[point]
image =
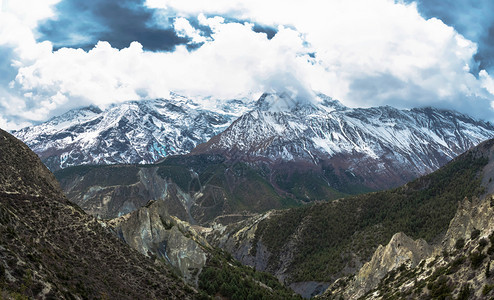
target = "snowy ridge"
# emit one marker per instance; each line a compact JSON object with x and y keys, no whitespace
{"x":377,"y":139}
{"x":131,"y":132}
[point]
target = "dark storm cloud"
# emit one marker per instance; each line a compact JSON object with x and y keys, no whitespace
{"x":472,"y":19}
{"x":83,"y":23}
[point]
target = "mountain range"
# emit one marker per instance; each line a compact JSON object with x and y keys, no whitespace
{"x":201,"y":202}
{"x":131,"y":132}
{"x":378,"y":147}
{"x":351,"y":149}
{"x":51,"y":249}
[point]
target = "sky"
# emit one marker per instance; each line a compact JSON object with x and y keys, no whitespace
{"x":56,"y":55}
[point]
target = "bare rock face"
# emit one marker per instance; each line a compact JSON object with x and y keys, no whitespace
{"x":114,"y":191}
{"x":471,"y":215}
{"x":151,"y":231}
{"x":239,"y":238}
{"x":401,"y":250}
{"x":196,"y":189}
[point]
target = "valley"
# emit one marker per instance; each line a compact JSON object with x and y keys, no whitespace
{"x":246,"y":150}
{"x":263,"y":198}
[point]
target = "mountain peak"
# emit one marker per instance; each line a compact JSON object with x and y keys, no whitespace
{"x":330,"y":103}
{"x":275,"y":102}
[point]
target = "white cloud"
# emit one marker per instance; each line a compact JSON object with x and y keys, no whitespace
{"x":18,"y":22}
{"x":363,"y":52}
{"x":184,"y":29}
{"x":487,"y":81}
{"x":28,"y":12}
{"x":226,"y":66}
{"x":372,"y":52}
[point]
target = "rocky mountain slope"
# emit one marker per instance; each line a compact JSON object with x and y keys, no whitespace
{"x":456,"y":267}
{"x":196,"y":189}
{"x":378,"y":147}
{"x":131,"y":132}
{"x":351,"y":150}
{"x":154,"y":233}
{"x":333,"y":151}
{"x":310,"y":247}
{"x":50,"y":248}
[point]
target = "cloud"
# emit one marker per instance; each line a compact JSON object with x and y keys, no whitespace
{"x":184,"y":29}
{"x":119,"y":22}
{"x":473,"y":19}
{"x":363,"y":52}
{"x":225,"y":66}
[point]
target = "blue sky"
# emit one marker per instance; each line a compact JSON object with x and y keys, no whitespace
{"x":60,"y":54}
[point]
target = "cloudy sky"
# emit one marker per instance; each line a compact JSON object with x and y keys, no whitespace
{"x":60,"y":54}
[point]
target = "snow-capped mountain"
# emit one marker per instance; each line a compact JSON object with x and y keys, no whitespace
{"x":382,"y":145}
{"x":131,"y":132}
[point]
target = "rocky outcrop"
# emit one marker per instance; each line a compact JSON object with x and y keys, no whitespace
{"x":400,"y":251}
{"x":471,"y":215}
{"x":239,"y":239}
{"x":153,"y":232}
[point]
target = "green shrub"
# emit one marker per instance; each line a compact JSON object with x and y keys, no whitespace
{"x":482,"y":244}
{"x":460,"y":243}
{"x":441,"y":288}
{"x":487,"y":288}
{"x":465,"y":292}
{"x":474,"y":234}
{"x":476,"y":258}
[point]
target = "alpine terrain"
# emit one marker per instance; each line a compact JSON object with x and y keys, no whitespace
{"x":436,"y":236}
{"x":377,"y":147}
{"x":51,"y":249}
{"x":283,"y":153}
{"x":131,"y":132}
{"x":280,"y":154}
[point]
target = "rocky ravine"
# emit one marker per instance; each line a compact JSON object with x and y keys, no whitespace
{"x":154,"y":233}
{"x":196,"y":189}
